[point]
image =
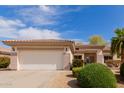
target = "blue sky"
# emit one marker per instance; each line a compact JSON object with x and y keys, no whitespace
{"x":59,"y":22}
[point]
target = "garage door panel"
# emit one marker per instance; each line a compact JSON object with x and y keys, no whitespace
{"x":39,"y":59}
{"x":38,"y":67}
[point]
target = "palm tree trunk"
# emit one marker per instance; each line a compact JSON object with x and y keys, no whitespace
{"x":122,"y":56}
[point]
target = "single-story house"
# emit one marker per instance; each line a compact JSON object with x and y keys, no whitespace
{"x":51,"y":54}
{"x":96,"y":53}
{"x":5,"y":52}
{"x":41,"y":54}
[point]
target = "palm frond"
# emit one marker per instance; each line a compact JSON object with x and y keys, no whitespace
{"x":113,"y":45}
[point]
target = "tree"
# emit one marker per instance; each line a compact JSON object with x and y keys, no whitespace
{"x":117,"y":44}
{"x":97,"y":40}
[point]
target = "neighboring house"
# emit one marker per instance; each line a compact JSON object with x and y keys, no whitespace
{"x":5,"y":52}
{"x":53,"y":54}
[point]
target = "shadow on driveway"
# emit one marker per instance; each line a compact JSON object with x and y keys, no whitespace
{"x":70,"y":75}
{"x":72,"y":83}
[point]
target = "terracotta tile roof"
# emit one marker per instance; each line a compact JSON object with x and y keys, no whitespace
{"x":85,"y":51}
{"x":38,"y":40}
{"x":55,"y":42}
{"x":17,"y":42}
{"x":107,"y":49}
{"x":90,"y":46}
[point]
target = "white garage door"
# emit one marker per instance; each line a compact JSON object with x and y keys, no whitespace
{"x":40,"y":60}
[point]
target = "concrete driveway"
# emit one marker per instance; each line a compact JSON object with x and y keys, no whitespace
{"x":37,"y":79}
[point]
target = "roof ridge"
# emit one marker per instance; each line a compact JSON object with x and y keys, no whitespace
{"x":36,"y":40}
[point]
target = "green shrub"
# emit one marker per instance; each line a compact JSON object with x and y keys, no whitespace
{"x":122,"y":70}
{"x":4,"y":62}
{"x":76,"y":71}
{"x":96,"y":76}
{"x":77,"y":63}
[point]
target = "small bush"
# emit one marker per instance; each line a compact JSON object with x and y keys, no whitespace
{"x":77,"y":63}
{"x":122,"y":70}
{"x":96,"y":76}
{"x":4,"y":62}
{"x":76,"y":71}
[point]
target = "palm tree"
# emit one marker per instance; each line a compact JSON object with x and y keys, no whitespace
{"x":117,"y":44}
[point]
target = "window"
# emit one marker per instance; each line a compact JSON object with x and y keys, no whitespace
{"x":107,"y":58}
{"x":66,"y":49}
{"x":77,"y":48}
{"x":77,"y":57}
{"x":13,"y":48}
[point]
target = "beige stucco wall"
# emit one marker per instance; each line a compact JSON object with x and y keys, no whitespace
{"x":71,"y":54}
{"x":68,"y":57}
{"x":116,"y":58}
{"x":13,"y":62}
{"x":82,"y":56}
{"x":100,"y":56}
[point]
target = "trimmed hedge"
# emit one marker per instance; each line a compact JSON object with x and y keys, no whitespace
{"x":77,"y":63}
{"x":76,"y":71}
{"x":122,"y":70}
{"x":4,"y":62}
{"x":96,"y":76}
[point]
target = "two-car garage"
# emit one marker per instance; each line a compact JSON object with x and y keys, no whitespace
{"x":41,"y":54}
{"x":40,"y":59}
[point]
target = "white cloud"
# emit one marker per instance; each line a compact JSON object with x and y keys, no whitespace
{"x":29,"y":33}
{"x":11,"y":29}
{"x":9,"y":23}
{"x":35,"y":16}
{"x":44,"y":14}
{"x":8,"y":33}
{"x":48,"y":9}
{"x":33,"y":33}
{"x":59,"y":10}
{"x":45,"y":8}
{"x":38,"y":16}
